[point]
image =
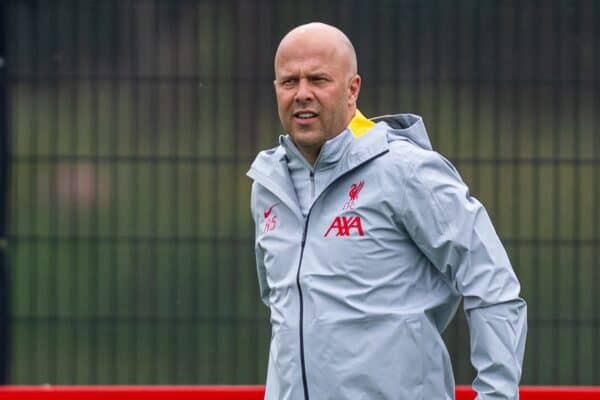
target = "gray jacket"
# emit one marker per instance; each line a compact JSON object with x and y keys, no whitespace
{"x":361,"y":288}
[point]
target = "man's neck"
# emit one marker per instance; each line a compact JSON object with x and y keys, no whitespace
{"x":310,"y":154}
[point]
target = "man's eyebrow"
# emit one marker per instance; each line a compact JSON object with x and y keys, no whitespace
{"x":318,"y":75}
{"x":309,"y":75}
{"x":285,"y":76}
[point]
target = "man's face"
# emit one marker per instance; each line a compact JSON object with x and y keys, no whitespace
{"x":316,"y":93}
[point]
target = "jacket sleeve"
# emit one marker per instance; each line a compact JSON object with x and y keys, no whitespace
{"x":258,"y":251}
{"x":455,"y":232}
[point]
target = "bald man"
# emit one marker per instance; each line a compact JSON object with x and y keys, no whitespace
{"x":366,"y":241}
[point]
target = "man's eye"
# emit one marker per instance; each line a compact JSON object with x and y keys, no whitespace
{"x":288,"y":82}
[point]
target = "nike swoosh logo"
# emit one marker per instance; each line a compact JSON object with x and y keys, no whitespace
{"x":268,"y":212}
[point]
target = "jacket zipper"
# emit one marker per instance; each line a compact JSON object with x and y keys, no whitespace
{"x":302,"y":364}
{"x":312,"y":186}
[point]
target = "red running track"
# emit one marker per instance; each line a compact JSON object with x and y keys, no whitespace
{"x":240,"y":393}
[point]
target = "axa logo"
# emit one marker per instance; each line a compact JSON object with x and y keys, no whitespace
{"x":355,"y":189}
{"x":270,"y":219}
{"x":344,"y":226}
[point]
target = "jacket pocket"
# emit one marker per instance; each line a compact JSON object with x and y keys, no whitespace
{"x":377,"y":357}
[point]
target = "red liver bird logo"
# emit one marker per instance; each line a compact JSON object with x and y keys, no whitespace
{"x":355,"y":190}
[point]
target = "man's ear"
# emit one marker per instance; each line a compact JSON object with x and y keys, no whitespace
{"x":354,"y":89}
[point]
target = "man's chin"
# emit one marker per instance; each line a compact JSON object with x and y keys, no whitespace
{"x":304,"y":138}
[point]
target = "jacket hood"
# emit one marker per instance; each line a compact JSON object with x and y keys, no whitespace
{"x":406,"y":127}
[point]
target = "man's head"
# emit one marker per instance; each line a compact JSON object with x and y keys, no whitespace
{"x":316,"y":84}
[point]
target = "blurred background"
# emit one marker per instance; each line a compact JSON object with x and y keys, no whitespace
{"x":126,"y":246}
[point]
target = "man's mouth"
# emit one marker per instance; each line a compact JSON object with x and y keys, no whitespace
{"x":305,"y":115}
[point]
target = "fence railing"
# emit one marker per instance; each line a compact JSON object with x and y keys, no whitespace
{"x":242,"y":392}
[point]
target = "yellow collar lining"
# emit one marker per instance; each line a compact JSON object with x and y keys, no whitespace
{"x":360,"y":125}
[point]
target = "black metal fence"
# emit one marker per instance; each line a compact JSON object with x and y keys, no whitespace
{"x":132,"y":123}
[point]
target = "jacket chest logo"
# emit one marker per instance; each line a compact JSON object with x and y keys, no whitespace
{"x":355,"y":189}
{"x":270,"y":219}
{"x":343,"y":226}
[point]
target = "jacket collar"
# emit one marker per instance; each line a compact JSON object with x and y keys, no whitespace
{"x":331,"y":151}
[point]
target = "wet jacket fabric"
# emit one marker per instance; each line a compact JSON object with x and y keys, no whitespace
{"x":361,"y":285}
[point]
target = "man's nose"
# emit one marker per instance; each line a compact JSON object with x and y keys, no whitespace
{"x":304,"y":92}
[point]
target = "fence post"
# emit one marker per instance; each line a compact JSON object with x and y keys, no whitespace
{"x":4,"y":176}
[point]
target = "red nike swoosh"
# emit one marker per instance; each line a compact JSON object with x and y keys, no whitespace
{"x":268,"y":212}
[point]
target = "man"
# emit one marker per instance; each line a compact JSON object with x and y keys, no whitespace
{"x":366,"y":240}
